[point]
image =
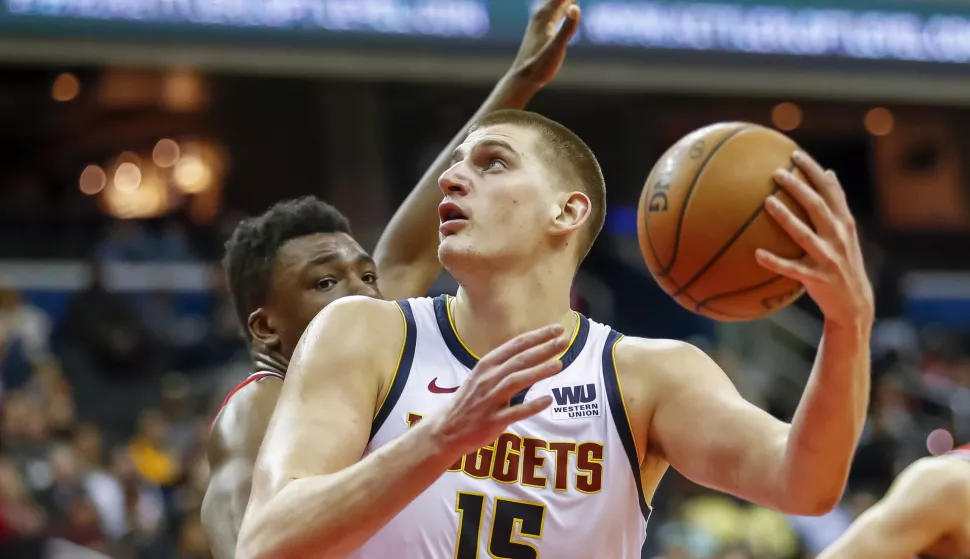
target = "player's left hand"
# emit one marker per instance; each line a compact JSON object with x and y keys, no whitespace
{"x":543,"y":48}
{"x":832,"y":271}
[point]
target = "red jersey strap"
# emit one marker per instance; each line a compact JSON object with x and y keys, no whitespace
{"x":255,"y":377}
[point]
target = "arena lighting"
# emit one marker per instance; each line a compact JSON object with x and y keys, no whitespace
{"x":166,"y":153}
{"x":192,"y":174}
{"x":879,"y":122}
{"x":92,"y":180}
{"x":127,"y":177}
{"x":786,"y":116}
{"x":66,"y":88}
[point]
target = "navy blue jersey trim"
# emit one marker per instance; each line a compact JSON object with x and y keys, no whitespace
{"x":618,"y":411}
{"x":400,"y":378}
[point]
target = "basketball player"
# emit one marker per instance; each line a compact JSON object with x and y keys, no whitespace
{"x":926,"y":513}
{"x":298,"y":257}
{"x":393,"y":439}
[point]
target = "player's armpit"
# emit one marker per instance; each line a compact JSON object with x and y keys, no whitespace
{"x":928,"y":500}
{"x":232,"y":449}
{"x":312,"y":495}
{"x":698,"y":422}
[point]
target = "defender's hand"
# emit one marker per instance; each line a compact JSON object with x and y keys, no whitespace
{"x":543,"y":48}
{"x":832,"y":271}
{"x":480,"y":411}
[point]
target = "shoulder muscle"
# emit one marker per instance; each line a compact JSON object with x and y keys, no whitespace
{"x":323,"y":418}
{"x":241,"y":424}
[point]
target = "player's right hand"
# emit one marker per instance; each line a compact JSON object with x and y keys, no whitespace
{"x":480,"y":410}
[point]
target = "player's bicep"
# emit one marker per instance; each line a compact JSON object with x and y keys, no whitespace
{"x":709,"y":433}
{"x":322,"y":421}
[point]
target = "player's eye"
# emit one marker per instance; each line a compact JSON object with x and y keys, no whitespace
{"x":495,"y":165}
{"x":326,"y":283}
{"x":370,"y":277}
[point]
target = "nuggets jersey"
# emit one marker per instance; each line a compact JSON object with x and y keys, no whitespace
{"x":563,"y":484}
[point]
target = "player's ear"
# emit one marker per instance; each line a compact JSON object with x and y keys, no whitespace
{"x":262,"y":329}
{"x":572,"y":212}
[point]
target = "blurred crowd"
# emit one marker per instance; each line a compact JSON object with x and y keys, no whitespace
{"x":102,"y":438}
{"x":105,"y":413}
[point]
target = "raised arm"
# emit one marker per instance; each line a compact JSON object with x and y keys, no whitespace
{"x":407,"y":252}
{"x":928,"y":501}
{"x":232,"y":449}
{"x":313,"y":496}
{"x":705,"y":429}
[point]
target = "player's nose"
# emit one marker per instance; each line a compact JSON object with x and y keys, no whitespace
{"x":454,"y":182}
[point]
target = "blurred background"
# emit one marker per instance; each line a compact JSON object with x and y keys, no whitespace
{"x":134,"y":134}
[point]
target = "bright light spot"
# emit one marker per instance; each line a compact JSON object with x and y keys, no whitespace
{"x":127,"y":177}
{"x":150,"y":199}
{"x":92,"y":180}
{"x":166,"y":153}
{"x":786,"y":116}
{"x":880,"y":122}
{"x":66,"y":87}
{"x":192,"y":174}
{"x":182,"y":91}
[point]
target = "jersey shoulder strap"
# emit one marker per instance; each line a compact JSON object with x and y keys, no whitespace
{"x":255,"y":377}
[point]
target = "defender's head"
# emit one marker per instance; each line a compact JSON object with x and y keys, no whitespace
{"x":286,"y":265}
{"x":520,"y":186}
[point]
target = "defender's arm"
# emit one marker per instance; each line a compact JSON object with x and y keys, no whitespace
{"x":927,"y":501}
{"x":232,"y":449}
{"x":407,"y":252}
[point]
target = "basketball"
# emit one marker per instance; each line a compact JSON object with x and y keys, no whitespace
{"x":702,"y":217}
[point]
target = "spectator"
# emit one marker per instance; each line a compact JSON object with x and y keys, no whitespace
{"x":149,"y":450}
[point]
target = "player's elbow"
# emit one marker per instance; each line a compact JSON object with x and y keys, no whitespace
{"x":819,"y":503}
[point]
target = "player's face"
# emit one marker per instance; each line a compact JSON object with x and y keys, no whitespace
{"x":311,"y":272}
{"x":499,"y":199}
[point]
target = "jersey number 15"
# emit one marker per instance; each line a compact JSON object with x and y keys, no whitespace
{"x":506,"y":515}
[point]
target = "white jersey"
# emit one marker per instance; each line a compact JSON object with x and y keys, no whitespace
{"x":563,"y":484}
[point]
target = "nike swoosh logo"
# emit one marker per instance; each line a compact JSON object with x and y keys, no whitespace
{"x":435,"y":389}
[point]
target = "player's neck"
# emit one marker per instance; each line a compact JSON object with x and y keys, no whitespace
{"x":489,"y":314}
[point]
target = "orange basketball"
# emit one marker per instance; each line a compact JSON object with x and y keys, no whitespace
{"x":702,"y":216}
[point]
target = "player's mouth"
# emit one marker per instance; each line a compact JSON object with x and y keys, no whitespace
{"x":452,"y":217}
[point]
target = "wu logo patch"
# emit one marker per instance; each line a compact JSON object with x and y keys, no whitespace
{"x":575,"y":402}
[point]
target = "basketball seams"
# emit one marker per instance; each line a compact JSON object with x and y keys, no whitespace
{"x":690,"y":191}
{"x":731,"y":240}
{"x":741,"y":291}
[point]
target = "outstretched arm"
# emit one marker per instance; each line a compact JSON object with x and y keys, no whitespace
{"x":314,"y":496}
{"x":406,"y":254}
{"x":709,"y":433}
{"x":929,"y":499}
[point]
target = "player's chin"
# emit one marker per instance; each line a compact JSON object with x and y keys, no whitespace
{"x":455,"y":250}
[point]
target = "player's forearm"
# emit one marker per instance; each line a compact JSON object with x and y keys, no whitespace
{"x":829,"y":419}
{"x":407,"y":252}
{"x":221,"y":527}
{"x":225,"y":504}
{"x":330,"y":516}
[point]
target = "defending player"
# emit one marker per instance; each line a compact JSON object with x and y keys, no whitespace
{"x":288,"y":264}
{"x":393,"y":439}
{"x":926,"y":513}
